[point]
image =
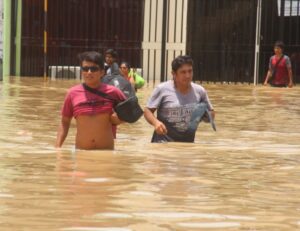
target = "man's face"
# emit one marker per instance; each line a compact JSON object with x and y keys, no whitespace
{"x":277,"y":50}
{"x":109,"y":59}
{"x":91,"y":73}
{"x":184,"y":75}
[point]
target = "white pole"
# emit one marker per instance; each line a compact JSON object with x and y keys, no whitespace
{"x":257,"y":43}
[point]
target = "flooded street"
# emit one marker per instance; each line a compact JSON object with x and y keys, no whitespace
{"x":245,"y":176}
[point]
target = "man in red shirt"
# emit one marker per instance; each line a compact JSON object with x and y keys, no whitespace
{"x":280,"y":69}
{"x":95,"y":118}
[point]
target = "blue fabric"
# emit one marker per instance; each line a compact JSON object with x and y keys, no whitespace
{"x":200,"y":111}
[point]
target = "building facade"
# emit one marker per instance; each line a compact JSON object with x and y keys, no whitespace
{"x":229,"y":40}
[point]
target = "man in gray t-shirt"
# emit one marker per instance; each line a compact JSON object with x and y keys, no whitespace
{"x":175,"y":101}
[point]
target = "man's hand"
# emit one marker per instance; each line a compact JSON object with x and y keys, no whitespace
{"x":114,"y":119}
{"x":160,"y":128}
{"x":268,"y":76}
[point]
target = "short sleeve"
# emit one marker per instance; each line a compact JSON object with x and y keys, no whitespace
{"x":155,"y":99}
{"x":205,"y":98}
{"x":288,"y":62}
{"x":270,"y":63}
{"x":67,"y":109}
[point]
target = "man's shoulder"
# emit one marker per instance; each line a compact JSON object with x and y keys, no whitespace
{"x":167,"y":84}
{"x":75,"y":88}
{"x":198,"y":87}
{"x":286,"y":57}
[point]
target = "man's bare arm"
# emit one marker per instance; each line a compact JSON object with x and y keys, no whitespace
{"x":290,"y":77}
{"x":268,"y":76}
{"x":159,"y":127}
{"x":63,"y":130}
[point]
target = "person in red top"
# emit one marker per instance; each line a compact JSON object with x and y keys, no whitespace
{"x":280,"y":69}
{"x":95,"y":117}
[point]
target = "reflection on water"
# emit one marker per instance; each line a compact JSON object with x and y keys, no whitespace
{"x":245,"y":176}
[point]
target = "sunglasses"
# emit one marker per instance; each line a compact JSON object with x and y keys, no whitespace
{"x":90,"y":68}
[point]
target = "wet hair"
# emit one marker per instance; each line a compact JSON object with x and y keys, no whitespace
{"x":112,"y":52}
{"x":279,"y":44}
{"x":92,"y":56}
{"x":126,"y":64}
{"x":181,"y":60}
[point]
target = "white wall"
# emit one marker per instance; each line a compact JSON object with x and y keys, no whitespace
{"x":152,"y":39}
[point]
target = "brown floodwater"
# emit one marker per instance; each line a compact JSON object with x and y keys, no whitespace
{"x":245,"y":176}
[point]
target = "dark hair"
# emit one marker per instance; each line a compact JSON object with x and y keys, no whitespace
{"x":126,"y":64}
{"x":279,"y":44}
{"x":92,"y":56}
{"x":112,"y":52}
{"x":181,"y":60}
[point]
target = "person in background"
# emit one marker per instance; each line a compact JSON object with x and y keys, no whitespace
{"x":280,"y":69}
{"x":95,"y":119}
{"x":125,"y":72}
{"x":111,"y":56}
{"x":117,"y":80}
{"x":175,"y":100}
{"x":131,"y":75}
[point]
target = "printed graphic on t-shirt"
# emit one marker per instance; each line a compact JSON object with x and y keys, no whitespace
{"x":179,"y":117}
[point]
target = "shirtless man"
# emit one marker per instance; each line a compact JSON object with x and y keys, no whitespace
{"x":95,"y":120}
